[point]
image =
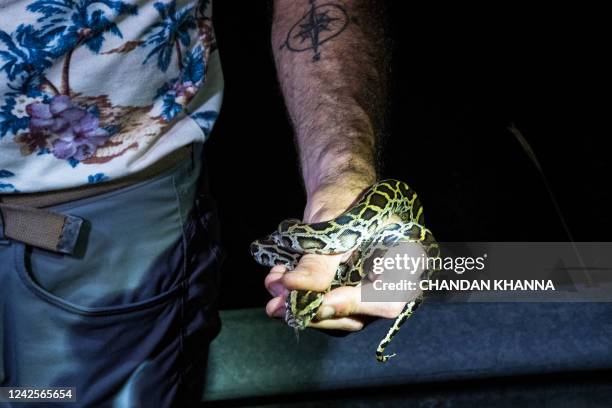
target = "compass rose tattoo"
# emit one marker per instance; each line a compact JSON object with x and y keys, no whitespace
{"x":319,"y":25}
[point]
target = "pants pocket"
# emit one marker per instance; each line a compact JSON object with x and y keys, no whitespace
{"x":131,"y":250}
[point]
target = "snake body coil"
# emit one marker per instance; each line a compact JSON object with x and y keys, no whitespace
{"x":361,"y":229}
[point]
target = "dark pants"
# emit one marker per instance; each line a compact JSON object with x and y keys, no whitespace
{"x":128,"y":319}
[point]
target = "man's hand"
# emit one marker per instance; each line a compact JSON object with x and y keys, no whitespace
{"x":331,"y":64}
{"x":342,"y":307}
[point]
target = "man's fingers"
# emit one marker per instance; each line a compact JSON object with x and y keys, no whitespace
{"x":342,"y":323}
{"x":342,"y":307}
{"x":346,"y":301}
{"x":313,"y":272}
{"x":276,"y":307}
{"x":273,"y":281}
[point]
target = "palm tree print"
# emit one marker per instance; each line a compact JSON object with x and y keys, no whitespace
{"x":179,"y":91}
{"x":73,"y":23}
{"x":7,"y":187}
{"x":170,"y":33}
{"x":55,"y":123}
{"x":26,"y":57}
{"x":46,"y":115}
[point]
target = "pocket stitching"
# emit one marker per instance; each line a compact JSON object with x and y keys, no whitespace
{"x":26,"y":279}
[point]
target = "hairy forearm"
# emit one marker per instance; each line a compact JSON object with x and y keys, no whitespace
{"x":330,"y":62}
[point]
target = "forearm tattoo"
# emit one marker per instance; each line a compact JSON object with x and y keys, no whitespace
{"x":319,"y":25}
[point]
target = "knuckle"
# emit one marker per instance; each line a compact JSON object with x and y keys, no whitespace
{"x":343,"y":309}
{"x":268,"y":280}
{"x":313,"y":263}
{"x":320,"y":283}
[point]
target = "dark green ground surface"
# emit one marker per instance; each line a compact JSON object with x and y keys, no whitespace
{"x":455,"y":353}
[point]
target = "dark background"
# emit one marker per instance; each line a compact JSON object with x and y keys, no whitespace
{"x":459,"y":77}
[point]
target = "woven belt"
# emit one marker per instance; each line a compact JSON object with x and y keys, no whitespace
{"x":26,"y":220}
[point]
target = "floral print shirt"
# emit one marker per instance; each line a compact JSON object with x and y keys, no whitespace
{"x":93,"y":90}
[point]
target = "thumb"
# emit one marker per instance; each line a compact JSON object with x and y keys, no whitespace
{"x":313,"y":272}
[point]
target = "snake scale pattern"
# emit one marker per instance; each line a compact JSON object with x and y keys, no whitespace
{"x":363,"y":229}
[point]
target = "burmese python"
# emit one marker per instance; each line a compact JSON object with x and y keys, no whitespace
{"x":362,"y":229}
